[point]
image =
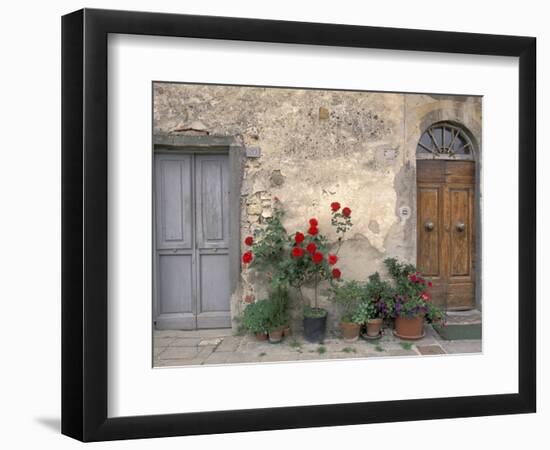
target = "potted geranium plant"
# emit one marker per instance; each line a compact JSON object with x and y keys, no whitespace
{"x":311,"y":261}
{"x":300,"y":258}
{"x":380,"y":297}
{"x":348,"y":296}
{"x":412,"y":304}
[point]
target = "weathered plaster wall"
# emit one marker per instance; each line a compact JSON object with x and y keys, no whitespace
{"x":317,"y":147}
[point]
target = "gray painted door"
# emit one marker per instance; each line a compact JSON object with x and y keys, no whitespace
{"x":192,"y":259}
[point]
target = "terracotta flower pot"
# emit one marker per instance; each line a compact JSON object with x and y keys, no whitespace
{"x":276,"y":335}
{"x":374,"y":326}
{"x":350,"y":331}
{"x":410,"y":328}
{"x":261,"y":336}
{"x":287,"y":331}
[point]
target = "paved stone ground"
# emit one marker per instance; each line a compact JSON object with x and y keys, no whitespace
{"x":185,"y":348}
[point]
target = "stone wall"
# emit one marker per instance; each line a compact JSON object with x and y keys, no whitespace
{"x":317,"y":147}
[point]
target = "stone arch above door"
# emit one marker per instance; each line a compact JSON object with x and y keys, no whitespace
{"x":470,"y":125}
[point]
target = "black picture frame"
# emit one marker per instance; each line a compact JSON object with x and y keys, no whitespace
{"x":84,"y":224}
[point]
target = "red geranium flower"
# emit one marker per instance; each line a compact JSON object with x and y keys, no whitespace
{"x":346,"y":212}
{"x":425,"y":296}
{"x":313,"y":222}
{"x":336,"y":273}
{"x":249,"y":240}
{"x":335,"y":206}
{"x":413,"y":278}
{"x":311,"y":248}
{"x":313,"y":230}
{"x":332,"y":259}
{"x":317,"y":257}
{"x":297,"y":252}
{"x":430,"y":284}
{"x":299,"y":237}
{"x":247,"y":257}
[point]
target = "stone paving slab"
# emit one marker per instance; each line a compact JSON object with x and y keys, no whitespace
{"x":465,"y":346}
{"x":430,"y":350}
{"x":172,"y":348}
{"x":184,"y":342}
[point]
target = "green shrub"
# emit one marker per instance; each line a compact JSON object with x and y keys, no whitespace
{"x":267,"y":314}
{"x":348,"y":295}
{"x":256,"y":317}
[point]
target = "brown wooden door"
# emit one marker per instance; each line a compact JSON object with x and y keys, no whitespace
{"x":446,"y":230}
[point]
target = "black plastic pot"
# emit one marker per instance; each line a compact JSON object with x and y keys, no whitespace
{"x":314,"y":327}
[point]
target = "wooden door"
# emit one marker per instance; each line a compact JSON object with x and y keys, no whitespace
{"x":446,"y":230}
{"x":191,"y":241}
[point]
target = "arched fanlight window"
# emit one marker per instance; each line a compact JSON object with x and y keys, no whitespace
{"x":444,"y":141}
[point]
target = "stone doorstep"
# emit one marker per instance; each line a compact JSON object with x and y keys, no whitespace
{"x":463,"y":317}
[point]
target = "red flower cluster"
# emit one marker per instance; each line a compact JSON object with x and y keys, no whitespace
{"x":313,"y":230}
{"x":317,"y":257}
{"x":416,"y":278}
{"x":335,"y":206}
{"x":247,"y":257}
{"x":298,"y":251}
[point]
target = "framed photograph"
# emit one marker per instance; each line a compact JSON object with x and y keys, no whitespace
{"x":273,"y":224}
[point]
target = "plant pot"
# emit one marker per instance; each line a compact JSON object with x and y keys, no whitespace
{"x":276,"y":335}
{"x":287,"y":331}
{"x":314,"y":327}
{"x":350,"y":331}
{"x":409,"y":328}
{"x":374,"y":327}
{"x":262,"y":336}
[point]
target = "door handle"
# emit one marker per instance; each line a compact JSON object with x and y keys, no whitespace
{"x":460,"y":227}
{"x":429,"y":225}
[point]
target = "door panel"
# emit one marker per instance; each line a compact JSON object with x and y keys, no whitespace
{"x":454,"y":274}
{"x":460,"y":242}
{"x":212,"y":196}
{"x":192,"y":260}
{"x":173,"y":202}
{"x":175,"y":283}
{"x":428,"y":210}
{"x":214,"y":283}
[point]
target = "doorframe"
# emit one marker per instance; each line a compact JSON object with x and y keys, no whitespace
{"x":473,"y":130}
{"x":181,"y":144}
